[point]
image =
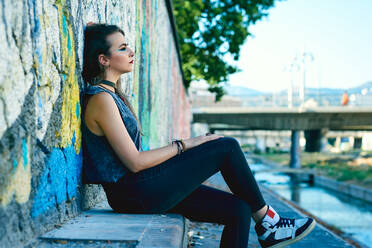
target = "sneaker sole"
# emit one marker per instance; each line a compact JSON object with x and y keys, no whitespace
{"x":298,"y":238}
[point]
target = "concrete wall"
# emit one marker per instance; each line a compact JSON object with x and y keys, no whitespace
{"x":40,"y":139}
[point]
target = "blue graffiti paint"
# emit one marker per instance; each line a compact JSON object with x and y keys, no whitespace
{"x":39,"y":103}
{"x":24,"y":152}
{"x":144,"y":106}
{"x":77,"y":110}
{"x":115,"y":20}
{"x":65,"y":33}
{"x":59,"y":180}
{"x":40,"y":106}
{"x":39,"y":123}
{"x":145,"y":144}
{"x":15,"y":164}
{"x":39,"y":57}
{"x":64,"y":25}
{"x":69,"y":44}
{"x":31,"y":4}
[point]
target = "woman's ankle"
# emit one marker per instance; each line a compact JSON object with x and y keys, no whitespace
{"x":260,"y":214}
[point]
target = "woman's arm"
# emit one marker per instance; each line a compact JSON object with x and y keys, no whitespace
{"x":107,"y":116}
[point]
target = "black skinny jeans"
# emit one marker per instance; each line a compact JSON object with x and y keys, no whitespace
{"x":175,"y":186}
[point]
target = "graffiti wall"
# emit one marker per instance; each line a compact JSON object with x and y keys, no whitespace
{"x":157,"y":65}
{"x":41,"y":45}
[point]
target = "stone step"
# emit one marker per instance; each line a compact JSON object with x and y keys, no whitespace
{"x":101,"y":227}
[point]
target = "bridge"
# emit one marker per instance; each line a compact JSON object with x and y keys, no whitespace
{"x":314,"y":121}
{"x":278,"y":118}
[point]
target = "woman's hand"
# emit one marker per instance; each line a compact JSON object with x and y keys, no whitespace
{"x":195,"y":141}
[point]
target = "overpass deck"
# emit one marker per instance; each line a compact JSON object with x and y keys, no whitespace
{"x":279,"y":118}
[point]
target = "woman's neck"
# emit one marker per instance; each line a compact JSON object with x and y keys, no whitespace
{"x":111,"y":79}
{"x":111,"y":76}
{"x":111,"y":86}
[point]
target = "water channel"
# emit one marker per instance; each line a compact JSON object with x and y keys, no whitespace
{"x":351,"y":215}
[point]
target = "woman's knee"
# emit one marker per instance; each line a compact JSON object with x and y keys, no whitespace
{"x":230,"y":142}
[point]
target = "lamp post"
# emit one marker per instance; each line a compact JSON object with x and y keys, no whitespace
{"x":304,"y":57}
{"x":291,"y":68}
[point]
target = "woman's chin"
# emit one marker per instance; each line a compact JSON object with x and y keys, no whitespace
{"x":127,"y":70}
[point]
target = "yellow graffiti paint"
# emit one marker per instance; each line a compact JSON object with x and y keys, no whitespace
{"x":19,"y":183}
{"x":70,"y":93}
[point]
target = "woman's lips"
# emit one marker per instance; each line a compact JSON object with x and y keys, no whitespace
{"x":132,"y":62}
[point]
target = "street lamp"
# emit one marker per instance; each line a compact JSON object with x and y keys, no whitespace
{"x":304,"y":58}
{"x":292,"y":67}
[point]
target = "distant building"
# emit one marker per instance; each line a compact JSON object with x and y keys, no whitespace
{"x":201,"y":97}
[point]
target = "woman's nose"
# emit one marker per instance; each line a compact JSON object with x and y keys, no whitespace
{"x":131,"y":52}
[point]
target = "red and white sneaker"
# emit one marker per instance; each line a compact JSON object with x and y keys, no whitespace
{"x":276,"y":232}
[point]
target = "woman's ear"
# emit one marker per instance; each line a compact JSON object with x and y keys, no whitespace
{"x":103,"y":60}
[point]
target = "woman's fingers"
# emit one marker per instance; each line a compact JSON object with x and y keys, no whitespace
{"x":213,"y":137}
{"x":191,"y":142}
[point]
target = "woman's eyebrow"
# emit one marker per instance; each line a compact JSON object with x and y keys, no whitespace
{"x":124,"y":44}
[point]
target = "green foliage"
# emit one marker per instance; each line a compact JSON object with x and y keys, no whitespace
{"x":210,"y":29}
{"x":332,"y":165}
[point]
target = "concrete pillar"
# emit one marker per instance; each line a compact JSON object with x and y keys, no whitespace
{"x":260,"y":145}
{"x":295,"y":188}
{"x":314,"y":140}
{"x":295,"y":161}
{"x":357,"y":143}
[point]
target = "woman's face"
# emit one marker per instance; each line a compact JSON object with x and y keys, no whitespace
{"x":121,"y":56}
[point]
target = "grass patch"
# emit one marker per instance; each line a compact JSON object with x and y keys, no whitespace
{"x":337,"y":166}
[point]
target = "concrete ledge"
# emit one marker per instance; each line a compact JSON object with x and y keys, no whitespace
{"x":346,"y":188}
{"x":101,"y":226}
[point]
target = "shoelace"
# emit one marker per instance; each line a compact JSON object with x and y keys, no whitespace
{"x":284,"y":222}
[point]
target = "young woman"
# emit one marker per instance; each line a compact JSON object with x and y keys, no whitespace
{"x":167,"y":179}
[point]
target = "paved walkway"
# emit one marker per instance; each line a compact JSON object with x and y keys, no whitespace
{"x":101,"y":227}
{"x":208,"y":235}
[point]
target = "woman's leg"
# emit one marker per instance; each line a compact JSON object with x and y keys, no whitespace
{"x":163,"y":186}
{"x":207,"y":204}
{"x":160,"y":188}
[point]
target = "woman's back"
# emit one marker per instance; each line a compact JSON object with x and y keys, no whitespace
{"x":101,"y":164}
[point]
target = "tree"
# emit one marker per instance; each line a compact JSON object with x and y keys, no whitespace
{"x":210,"y":29}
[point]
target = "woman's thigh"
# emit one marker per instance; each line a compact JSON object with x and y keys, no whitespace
{"x":165,"y":185}
{"x":208,"y":204}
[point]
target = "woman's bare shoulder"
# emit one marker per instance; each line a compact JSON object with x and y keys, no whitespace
{"x":96,"y":107}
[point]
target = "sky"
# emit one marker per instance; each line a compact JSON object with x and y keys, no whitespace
{"x":335,"y":34}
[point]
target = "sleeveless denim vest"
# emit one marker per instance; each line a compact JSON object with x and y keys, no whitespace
{"x":100,"y":162}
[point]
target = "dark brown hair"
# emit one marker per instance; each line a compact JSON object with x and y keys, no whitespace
{"x":95,"y":43}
